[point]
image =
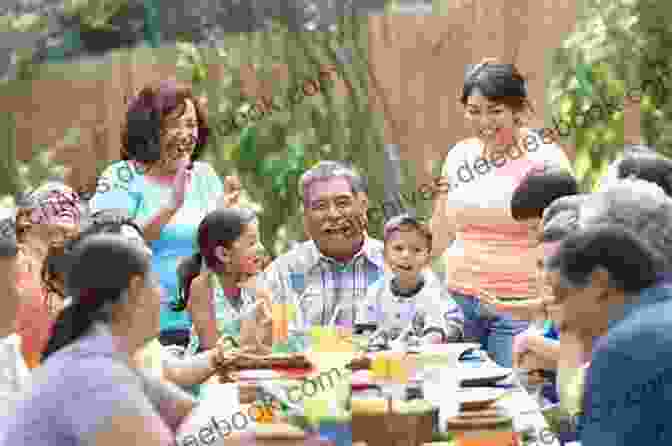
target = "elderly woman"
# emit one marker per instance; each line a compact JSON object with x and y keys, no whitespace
{"x":86,"y":392}
{"x":45,"y":220}
{"x":492,"y":252}
{"x":163,"y":186}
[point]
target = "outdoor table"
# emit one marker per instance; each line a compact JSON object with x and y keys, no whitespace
{"x":520,"y":405}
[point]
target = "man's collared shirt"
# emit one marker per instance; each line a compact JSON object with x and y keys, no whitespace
{"x":320,"y":288}
{"x":630,"y":375}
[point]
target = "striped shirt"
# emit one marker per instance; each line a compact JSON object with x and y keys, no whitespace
{"x":492,"y":251}
{"x":320,"y":288}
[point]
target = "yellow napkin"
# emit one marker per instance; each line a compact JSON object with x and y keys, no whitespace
{"x":329,"y":339}
{"x":391,"y":367}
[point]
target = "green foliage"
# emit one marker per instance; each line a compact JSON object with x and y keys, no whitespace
{"x":272,"y":151}
{"x":627,"y":49}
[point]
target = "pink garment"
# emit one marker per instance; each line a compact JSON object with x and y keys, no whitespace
{"x":59,"y":207}
{"x":33,"y":321}
{"x":492,"y":252}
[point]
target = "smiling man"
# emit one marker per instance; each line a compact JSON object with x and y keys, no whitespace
{"x":607,"y":279}
{"x":325,"y":277}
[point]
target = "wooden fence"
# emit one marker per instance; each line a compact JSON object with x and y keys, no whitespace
{"x":417,"y":61}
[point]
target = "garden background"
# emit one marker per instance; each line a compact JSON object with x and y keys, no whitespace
{"x":388,"y":73}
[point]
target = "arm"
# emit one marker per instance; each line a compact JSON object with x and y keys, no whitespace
{"x":191,"y":371}
{"x":526,"y":310}
{"x":442,"y":223}
{"x":200,"y":309}
{"x":444,"y":317}
{"x":547,"y":349}
{"x":153,"y":226}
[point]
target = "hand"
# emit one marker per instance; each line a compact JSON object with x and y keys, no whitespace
{"x":232,"y":190}
{"x":532,"y":361}
{"x":521,"y":346}
{"x":525,"y":310}
{"x":182,"y":179}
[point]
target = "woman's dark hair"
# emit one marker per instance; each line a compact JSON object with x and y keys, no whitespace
{"x":538,"y":189}
{"x":140,"y":135}
{"x":101,"y":269}
{"x":221,"y":227}
{"x":648,"y":167}
{"x":107,"y":221}
{"x":501,"y":83}
{"x":631,"y":263}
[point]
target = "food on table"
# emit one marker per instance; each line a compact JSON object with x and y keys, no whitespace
{"x":278,"y":431}
{"x":360,"y":363}
{"x":237,"y":360}
{"x":372,"y":406}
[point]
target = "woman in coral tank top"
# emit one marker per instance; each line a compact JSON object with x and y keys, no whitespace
{"x":492,"y":252}
{"x":49,"y":217}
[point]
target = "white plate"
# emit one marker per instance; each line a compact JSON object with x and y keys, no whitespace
{"x":254,"y":375}
{"x":479,"y":394}
{"x":451,"y":350}
{"x":485,"y":373}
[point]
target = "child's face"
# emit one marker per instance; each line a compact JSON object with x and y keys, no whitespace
{"x":406,"y":253}
{"x":246,"y":252}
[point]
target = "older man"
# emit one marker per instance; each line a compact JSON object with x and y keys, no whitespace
{"x":14,"y":374}
{"x":324,"y":278}
{"x":607,"y":279}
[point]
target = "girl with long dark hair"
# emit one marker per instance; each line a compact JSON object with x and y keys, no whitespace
{"x":221,"y":296}
{"x":152,"y":357}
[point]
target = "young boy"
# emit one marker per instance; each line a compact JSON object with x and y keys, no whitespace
{"x":410,"y":300}
{"x":14,"y":373}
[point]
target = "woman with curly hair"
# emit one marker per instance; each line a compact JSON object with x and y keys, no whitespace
{"x":163,"y":186}
{"x":46,"y":219}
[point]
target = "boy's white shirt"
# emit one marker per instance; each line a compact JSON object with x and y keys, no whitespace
{"x":428,"y":301}
{"x":14,"y":373}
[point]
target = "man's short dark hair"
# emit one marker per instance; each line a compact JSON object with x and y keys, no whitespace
{"x":538,"y":189}
{"x":647,"y":167}
{"x":632,"y":264}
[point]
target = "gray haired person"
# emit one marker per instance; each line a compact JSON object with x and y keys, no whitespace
{"x":327,"y":275}
{"x":640,"y":206}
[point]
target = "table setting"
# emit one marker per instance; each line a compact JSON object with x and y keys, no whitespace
{"x":340,"y":386}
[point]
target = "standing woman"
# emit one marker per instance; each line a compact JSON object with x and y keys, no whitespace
{"x":163,"y":186}
{"x":492,"y":252}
